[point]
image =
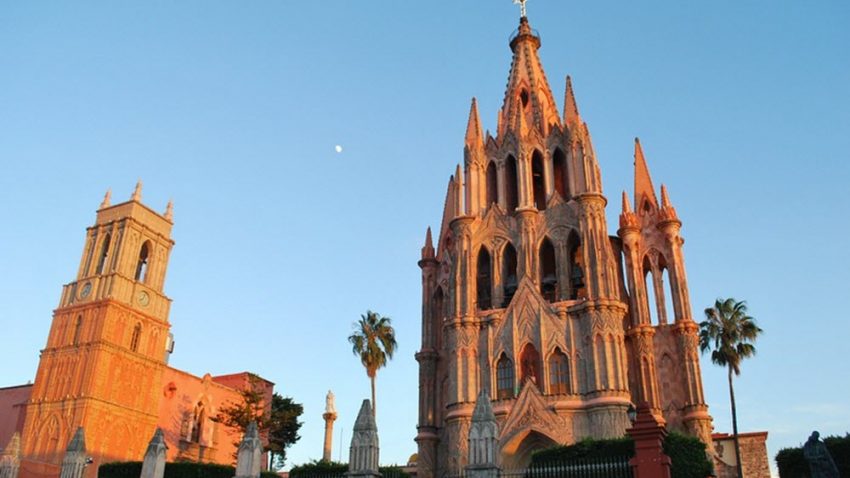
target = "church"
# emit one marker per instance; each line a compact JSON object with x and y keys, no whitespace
{"x":528,"y":296}
{"x":105,"y":365}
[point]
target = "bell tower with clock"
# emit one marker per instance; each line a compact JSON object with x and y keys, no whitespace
{"x":102,"y":366}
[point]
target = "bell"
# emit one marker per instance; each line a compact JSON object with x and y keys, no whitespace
{"x":576,"y":277}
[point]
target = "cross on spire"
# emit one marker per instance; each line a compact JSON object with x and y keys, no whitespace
{"x":522,"y":11}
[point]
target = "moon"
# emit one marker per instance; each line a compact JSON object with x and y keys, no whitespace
{"x":338,"y":148}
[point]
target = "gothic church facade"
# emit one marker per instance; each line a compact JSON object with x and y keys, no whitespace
{"x":527,"y":296}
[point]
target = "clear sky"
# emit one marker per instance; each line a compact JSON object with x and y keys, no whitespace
{"x":233,"y":109}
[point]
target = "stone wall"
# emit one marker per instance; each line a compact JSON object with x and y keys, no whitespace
{"x":754,"y":460}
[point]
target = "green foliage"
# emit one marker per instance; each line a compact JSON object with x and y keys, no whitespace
{"x":792,"y":464}
{"x":375,"y":342}
{"x":728,"y":332}
{"x":132,"y":469}
{"x":283,"y":427}
{"x":269,"y":474}
{"x":687,"y":454}
{"x":328,"y":469}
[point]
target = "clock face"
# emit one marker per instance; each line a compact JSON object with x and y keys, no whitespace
{"x":143,"y":298}
{"x":86,"y":290}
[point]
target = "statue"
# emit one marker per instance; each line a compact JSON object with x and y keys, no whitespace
{"x":819,"y":459}
{"x":329,"y":403}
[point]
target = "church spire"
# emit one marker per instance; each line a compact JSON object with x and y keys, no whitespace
{"x":474,"y":138}
{"x":428,"y":249}
{"x":571,"y":115}
{"x":528,"y":93}
{"x":643,"y":182}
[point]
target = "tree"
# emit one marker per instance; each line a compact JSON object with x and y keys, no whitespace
{"x":374,"y":343}
{"x":728,"y":332}
{"x":277,"y":422}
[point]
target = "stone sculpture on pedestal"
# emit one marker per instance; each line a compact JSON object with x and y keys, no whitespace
{"x":248,"y":459}
{"x":153,"y":465}
{"x":364,"y":455}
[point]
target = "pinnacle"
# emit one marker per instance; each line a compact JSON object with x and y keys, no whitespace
{"x":571,"y":114}
{"x":365,"y":420}
{"x":137,"y":193}
{"x":474,"y":138}
{"x":665,"y":199}
{"x":643,"y":181}
{"x":627,"y":208}
{"x":106,"y":199}
{"x":78,"y":443}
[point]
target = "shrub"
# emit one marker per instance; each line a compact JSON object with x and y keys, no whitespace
{"x":132,"y":469}
{"x":328,"y":469}
{"x":686,"y":453}
{"x":792,"y":464}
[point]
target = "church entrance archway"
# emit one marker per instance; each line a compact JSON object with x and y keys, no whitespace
{"x":516,"y":454}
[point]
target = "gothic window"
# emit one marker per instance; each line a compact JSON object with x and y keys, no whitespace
{"x":511,"y":185}
{"x":538,"y":181}
{"x":649,"y":287}
{"x":137,"y":335}
{"x":523,"y":97}
{"x":492,"y":184}
{"x":484,"y":282}
{"x":78,"y":326}
{"x":197,"y":427}
{"x":529,"y":363}
{"x":548,"y":272}
{"x":104,"y":253}
{"x":559,"y":373}
{"x":509,"y":274}
{"x":559,"y":171}
{"x":142,"y":264}
{"x":669,"y":303}
{"x":505,"y":377}
{"x":577,"y":272}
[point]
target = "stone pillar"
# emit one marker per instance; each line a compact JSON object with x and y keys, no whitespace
{"x":10,"y":460}
{"x":483,"y":440}
{"x":648,"y":432}
{"x":248,"y":458}
{"x":75,"y":461}
{"x":153,"y":465}
{"x":364,"y":457}
{"x":329,"y":435}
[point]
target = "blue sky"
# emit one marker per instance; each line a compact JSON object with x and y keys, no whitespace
{"x":234,"y":109}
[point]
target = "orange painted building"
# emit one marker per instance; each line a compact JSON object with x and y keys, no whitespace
{"x":104,"y":367}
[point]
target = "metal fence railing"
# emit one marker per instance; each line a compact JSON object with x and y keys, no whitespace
{"x":609,"y":467}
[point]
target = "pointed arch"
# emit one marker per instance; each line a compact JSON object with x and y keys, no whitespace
{"x":504,"y":377}
{"x":104,"y":254}
{"x":196,"y":428}
{"x":559,"y":372}
{"x":492,"y":184}
{"x":142,"y":263}
{"x":576,"y":261}
{"x":559,"y":171}
{"x":136,"y":337}
{"x":511,"y":184}
{"x":438,"y":313}
{"x":649,"y":287}
{"x":548,"y":271}
{"x":509,"y":273}
{"x":538,"y":180}
{"x":668,"y":299}
{"x":529,"y":361}
{"x":484,"y":280}
{"x":78,"y":327}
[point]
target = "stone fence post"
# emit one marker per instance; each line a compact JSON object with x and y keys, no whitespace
{"x":248,"y":459}
{"x":75,"y":461}
{"x":648,"y":433}
{"x":483,"y":440}
{"x":364,"y":455}
{"x":10,"y":460}
{"x":153,"y":465}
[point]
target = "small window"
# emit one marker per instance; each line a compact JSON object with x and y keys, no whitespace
{"x":142,"y":265}
{"x":559,"y":373}
{"x":548,"y":272}
{"x":509,"y":274}
{"x":529,"y":362}
{"x":137,"y":335}
{"x":523,"y":97}
{"x":538,"y":181}
{"x":78,"y":328}
{"x":577,"y":276}
{"x":559,"y":171}
{"x":492,"y":184}
{"x":484,"y":283}
{"x":198,"y":418}
{"x":511,"y":184}
{"x":505,"y":377}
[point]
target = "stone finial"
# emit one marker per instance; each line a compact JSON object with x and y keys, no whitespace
{"x":75,"y":460}
{"x":137,"y":193}
{"x":107,"y":199}
{"x":627,"y":208}
{"x":665,"y":199}
{"x":364,"y":452}
{"x":248,"y":458}
{"x":153,"y":465}
{"x":10,"y":459}
{"x":474,"y":139}
{"x":643,"y":181}
{"x":483,"y":440}
{"x":428,"y":249}
{"x":571,"y":115}
{"x":169,"y":210}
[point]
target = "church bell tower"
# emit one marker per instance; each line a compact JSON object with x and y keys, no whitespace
{"x":103,"y":362}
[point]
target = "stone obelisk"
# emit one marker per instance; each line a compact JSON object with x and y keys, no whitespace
{"x":329,"y":416}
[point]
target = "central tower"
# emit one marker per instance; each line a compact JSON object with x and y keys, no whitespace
{"x":525,"y":296}
{"x":102,"y":366}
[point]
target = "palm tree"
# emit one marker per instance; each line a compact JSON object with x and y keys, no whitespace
{"x":729,"y":333}
{"x":374,"y":343}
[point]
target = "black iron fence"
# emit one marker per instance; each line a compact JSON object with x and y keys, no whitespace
{"x":608,"y":467}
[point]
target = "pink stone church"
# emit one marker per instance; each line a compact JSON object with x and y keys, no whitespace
{"x":528,"y":296}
